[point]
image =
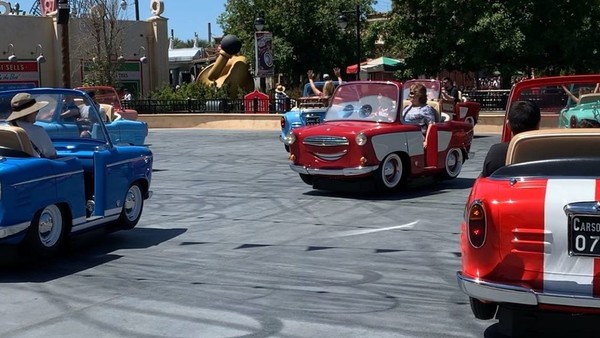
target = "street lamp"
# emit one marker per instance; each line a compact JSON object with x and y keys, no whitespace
{"x":143,"y":60}
{"x":137,"y":8}
{"x":342,"y":23}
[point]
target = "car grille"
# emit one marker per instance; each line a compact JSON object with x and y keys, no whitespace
{"x":326,"y":141}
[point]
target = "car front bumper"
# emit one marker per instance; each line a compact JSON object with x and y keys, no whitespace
{"x":503,"y":293}
{"x":357,"y":171}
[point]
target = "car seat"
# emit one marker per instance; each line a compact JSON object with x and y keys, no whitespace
{"x":16,"y":138}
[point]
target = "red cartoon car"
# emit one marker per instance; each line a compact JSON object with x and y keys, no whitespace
{"x":109,"y":98}
{"x":460,"y":111}
{"x":531,"y":234}
{"x":364,"y":137}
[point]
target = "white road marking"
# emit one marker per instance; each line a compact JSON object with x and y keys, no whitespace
{"x":369,"y":231}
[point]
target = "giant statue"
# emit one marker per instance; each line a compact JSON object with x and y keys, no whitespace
{"x":230,"y":69}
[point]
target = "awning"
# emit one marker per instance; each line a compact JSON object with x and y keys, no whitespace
{"x":382,"y":64}
{"x":352,"y":68}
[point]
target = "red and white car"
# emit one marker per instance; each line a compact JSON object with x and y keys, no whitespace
{"x":364,"y":137}
{"x":531,"y":234}
{"x":457,"y":111}
{"x":110,"y":100}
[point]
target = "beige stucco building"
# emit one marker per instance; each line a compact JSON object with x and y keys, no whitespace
{"x":25,"y":37}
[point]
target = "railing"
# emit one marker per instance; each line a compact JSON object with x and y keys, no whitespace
{"x":490,"y":100}
{"x":234,"y":106}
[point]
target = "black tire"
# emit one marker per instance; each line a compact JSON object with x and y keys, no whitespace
{"x":306,"y":179}
{"x":46,"y":232}
{"x":132,"y":207}
{"x":481,"y":310}
{"x":453,"y":163}
{"x":391,"y":173}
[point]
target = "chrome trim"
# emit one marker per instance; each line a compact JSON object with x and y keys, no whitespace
{"x":49,"y":177}
{"x":143,"y":157}
{"x":585,"y":208}
{"x":326,"y":141}
{"x":333,"y":172}
{"x":331,"y":157}
{"x":13,"y":229}
{"x":502,"y":293}
{"x":94,"y":223}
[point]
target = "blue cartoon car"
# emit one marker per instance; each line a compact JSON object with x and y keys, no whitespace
{"x":309,"y":110}
{"x":92,"y":183}
{"x":62,"y":117}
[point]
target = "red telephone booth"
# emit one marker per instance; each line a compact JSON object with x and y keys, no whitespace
{"x":256,"y":103}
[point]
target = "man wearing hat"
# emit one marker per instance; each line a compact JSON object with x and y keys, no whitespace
{"x":280,"y":98}
{"x":24,"y":110}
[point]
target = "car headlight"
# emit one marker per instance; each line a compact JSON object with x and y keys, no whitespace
{"x":289,"y":139}
{"x":361,"y":139}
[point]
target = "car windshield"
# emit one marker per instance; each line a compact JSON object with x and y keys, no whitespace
{"x":69,"y":114}
{"x":432,"y":86}
{"x":374,"y":102}
{"x":554,"y":98}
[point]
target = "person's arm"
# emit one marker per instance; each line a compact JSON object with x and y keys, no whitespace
{"x":597,"y":89}
{"x":314,"y":88}
{"x":338,"y":74}
{"x":568,"y":92}
{"x":430,"y":120}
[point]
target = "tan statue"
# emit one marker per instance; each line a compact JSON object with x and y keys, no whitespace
{"x":230,"y":68}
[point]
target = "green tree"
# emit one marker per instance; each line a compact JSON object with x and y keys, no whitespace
{"x":305,"y":33}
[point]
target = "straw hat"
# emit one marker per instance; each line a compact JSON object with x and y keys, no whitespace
{"x":280,"y":89}
{"x":24,"y":104}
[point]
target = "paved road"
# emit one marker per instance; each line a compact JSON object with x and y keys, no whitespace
{"x":233,"y":244}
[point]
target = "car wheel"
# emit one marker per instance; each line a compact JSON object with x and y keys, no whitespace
{"x":306,"y":179}
{"x":132,"y":208}
{"x":470,"y":120}
{"x":483,"y":310}
{"x":46,"y":232}
{"x":390,"y":173}
{"x":453,"y":163}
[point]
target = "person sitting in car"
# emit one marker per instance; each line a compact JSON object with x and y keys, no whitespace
{"x":418,"y":111}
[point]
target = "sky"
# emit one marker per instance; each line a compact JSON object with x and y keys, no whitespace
{"x":187,"y":17}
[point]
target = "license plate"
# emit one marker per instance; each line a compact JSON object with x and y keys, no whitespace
{"x":313,"y":120}
{"x":584,"y":235}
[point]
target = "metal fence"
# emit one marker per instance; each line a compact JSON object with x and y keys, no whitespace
{"x":490,"y":100}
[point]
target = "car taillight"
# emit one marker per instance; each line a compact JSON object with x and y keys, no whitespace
{"x":573,"y":122}
{"x":282,"y":121}
{"x":476,"y":224}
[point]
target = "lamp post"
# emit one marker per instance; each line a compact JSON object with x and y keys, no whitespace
{"x":143,"y":60}
{"x":11,"y":49}
{"x":123,"y":5}
{"x":259,"y":25}
{"x":342,"y":22}
{"x":40,"y":59}
{"x":63,"y":20}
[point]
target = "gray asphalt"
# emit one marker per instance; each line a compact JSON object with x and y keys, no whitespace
{"x":234,"y":244}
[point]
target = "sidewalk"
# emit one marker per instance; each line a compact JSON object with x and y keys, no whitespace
{"x":488,"y":122}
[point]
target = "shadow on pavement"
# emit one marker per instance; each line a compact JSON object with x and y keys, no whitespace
{"x":83,"y":252}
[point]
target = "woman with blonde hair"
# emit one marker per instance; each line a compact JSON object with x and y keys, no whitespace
{"x":418,"y":111}
{"x":328,"y":87}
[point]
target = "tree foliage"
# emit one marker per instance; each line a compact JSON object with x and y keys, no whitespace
{"x":305,"y":33}
{"x":102,"y":25}
{"x":506,"y":36}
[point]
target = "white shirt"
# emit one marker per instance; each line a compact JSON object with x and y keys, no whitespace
{"x":127,"y":97}
{"x":39,"y":137}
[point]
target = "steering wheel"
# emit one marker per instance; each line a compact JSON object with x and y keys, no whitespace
{"x":365,"y":110}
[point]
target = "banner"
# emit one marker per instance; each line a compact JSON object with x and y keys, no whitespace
{"x":264,"y":54}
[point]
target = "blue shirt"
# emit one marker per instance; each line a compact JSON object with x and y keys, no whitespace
{"x":423,"y":115}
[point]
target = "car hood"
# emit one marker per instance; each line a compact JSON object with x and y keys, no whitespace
{"x":343,"y":128}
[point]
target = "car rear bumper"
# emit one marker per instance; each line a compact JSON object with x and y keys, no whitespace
{"x":503,"y":293}
{"x":357,"y":171}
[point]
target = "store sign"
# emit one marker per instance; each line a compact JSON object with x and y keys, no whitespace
{"x":19,"y":75}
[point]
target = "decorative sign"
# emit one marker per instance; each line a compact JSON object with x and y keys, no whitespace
{"x":129,"y":73}
{"x":264,"y":54}
{"x":48,"y":6}
{"x":18,"y":75}
{"x":157,"y":6}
